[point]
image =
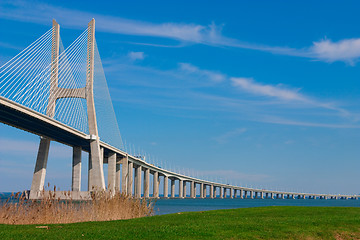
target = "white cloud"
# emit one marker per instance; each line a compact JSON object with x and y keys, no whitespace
{"x":181,"y":89}
{"x":249,"y":85}
{"x":228,"y":135}
{"x":288,"y":95}
{"x":211,"y":75}
{"x":133,"y":56}
{"x":42,"y":13}
{"x":347,"y":50}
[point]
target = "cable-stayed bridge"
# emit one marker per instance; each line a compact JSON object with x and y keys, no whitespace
{"x":62,"y":95}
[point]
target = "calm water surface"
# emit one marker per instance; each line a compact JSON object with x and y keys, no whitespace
{"x":166,"y":206}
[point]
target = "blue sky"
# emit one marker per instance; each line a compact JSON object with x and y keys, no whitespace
{"x":261,"y":93}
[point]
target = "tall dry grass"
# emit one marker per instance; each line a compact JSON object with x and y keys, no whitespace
{"x":104,"y":206}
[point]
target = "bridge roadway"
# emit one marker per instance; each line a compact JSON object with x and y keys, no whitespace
{"x":16,"y":115}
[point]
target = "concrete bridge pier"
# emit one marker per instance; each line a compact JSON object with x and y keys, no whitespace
{"x":221,"y":192}
{"x":181,"y":188}
{"x":130,"y":178}
{"x":192,"y":189}
{"x":184,"y":190}
{"x":215,"y":194}
{"x":195,"y":191}
{"x":156,"y":185}
{"x":231,"y":193}
{"x":125,"y":174}
{"x":225,"y":192}
{"x":146,"y":183}
{"x":112,"y":172}
{"x":166,"y":187}
{"x":211,"y":191}
{"x":117,"y":173}
{"x":38,"y":180}
{"x":241,"y":194}
{"x":202,"y":190}
{"x":76,"y":170}
{"x":172,"y":188}
{"x":138,"y":181}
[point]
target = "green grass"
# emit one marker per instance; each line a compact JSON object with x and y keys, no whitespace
{"x":245,"y":223}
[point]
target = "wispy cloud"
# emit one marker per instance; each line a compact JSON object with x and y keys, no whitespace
{"x":180,"y":91}
{"x":210,"y":75}
{"x":224,"y":138}
{"x":346,"y":50}
{"x":133,"y":56}
{"x":249,"y":85}
{"x":287,"y":95}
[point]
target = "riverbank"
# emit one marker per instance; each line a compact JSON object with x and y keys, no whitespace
{"x":244,"y":223}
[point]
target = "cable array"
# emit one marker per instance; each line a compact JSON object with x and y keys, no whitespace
{"x":26,"y":79}
{"x":108,"y":128}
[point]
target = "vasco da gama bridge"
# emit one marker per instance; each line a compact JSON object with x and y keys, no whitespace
{"x":62,"y":95}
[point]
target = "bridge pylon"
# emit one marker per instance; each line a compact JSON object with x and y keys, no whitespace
{"x":95,"y":173}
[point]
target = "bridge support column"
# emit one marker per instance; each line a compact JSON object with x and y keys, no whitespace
{"x":112,"y":172}
{"x":125,"y":175}
{"x":156,"y":185}
{"x":76,"y":170}
{"x":130,"y":178}
{"x":225,"y":192}
{"x":203,"y":192}
{"x":221,"y":192}
{"x":261,"y":195}
{"x":166,"y":186}
{"x":215,"y":196}
{"x":38,"y":180}
{"x":181,"y":188}
{"x":117,"y":175}
{"x":241,"y":194}
{"x":172,"y":188}
{"x":252,"y":194}
{"x":184,"y":190}
{"x":231,"y":193}
{"x":138,"y":178}
{"x":192,"y":189}
{"x":146,"y":183}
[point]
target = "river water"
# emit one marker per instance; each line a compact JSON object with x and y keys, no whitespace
{"x":166,"y":206}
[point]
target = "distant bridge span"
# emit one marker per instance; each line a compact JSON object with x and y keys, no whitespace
{"x":35,"y":104}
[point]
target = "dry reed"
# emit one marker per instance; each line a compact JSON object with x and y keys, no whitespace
{"x":104,"y":206}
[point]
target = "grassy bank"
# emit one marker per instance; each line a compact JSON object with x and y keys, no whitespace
{"x":246,"y":223}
